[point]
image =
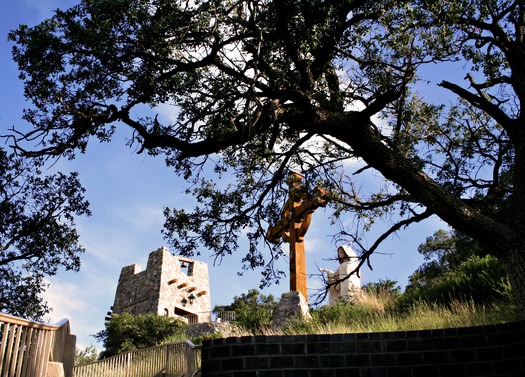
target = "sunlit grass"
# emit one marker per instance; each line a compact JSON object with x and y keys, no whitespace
{"x":377,"y":312}
{"x":381,"y":312}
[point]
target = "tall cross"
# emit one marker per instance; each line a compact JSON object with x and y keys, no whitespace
{"x":297,"y":215}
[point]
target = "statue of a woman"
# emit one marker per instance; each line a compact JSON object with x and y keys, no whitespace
{"x":341,"y":286}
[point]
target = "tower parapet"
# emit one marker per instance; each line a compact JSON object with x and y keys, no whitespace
{"x":170,"y":285}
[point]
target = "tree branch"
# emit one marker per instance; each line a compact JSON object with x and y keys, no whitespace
{"x":482,"y":104}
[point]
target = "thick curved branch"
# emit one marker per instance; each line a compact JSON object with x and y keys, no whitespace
{"x":187,"y":149}
{"x":483,"y":104}
{"x":359,"y":132}
{"x":18,"y":257}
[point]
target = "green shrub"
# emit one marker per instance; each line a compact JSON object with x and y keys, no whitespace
{"x":480,"y":279}
{"x":253,"y":311}
{"x":126,"y":332}
{"x":199,"y":339}
{"x":86,"y":355}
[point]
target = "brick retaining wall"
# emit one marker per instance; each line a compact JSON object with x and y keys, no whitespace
{"x":492,"y":350}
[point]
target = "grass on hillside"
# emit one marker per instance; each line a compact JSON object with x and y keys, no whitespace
{"x":379,"y":312}
{"x":376,"y":312}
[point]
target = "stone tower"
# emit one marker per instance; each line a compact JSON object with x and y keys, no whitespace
{"x":170,"y":285}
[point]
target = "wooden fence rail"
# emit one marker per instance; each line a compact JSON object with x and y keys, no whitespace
{"x":169,"y":360}
{"x":27,"y":347}
{"x":213,"y":316}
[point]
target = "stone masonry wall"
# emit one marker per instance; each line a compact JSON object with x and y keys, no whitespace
{"x":494,"y":350}
{"x":135,"y":291}
{"x":190,"y":284}
{"x":170,"y":285}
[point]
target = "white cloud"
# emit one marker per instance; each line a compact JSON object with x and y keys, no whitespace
{"x":65,"y":300}
{"x":317,"y":246}
{"x":72,"y":301}
{"x":141,"y":217}
{"x":167,"y":112}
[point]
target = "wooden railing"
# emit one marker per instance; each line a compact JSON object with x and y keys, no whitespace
{"x":220,"y":316}
{"x":27,"y":347}
{"x":169,"y":360}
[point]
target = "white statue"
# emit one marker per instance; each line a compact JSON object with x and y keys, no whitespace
{"x":341,"y":288}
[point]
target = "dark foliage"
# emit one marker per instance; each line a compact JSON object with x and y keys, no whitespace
{"x":262,"y":87}
{"x":253,"y":311}
{"x":127,"y":332}
{"x":37,"y":232}
{"x":456,"y":269}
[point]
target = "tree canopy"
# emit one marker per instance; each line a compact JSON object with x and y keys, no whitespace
{"x":456,"y":269}
{"x":126,"y":332}
{"x":259,"y":87}
{"x":37,"y":232}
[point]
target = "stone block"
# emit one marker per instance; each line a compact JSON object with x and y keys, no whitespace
{"x":55,"y":369}
{"x":291,"y":304}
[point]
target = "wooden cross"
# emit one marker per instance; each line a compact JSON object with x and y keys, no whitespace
{"x":297,"y":215}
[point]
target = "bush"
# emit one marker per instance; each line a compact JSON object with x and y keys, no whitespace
{"x":86,"y":355}
{"x":480,"y":279}
{"x":201,"y":338}
{"x":127,"y":332}
{"x":253,"y":311}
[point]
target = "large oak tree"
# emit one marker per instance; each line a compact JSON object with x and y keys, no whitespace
{"x":261,"y":87}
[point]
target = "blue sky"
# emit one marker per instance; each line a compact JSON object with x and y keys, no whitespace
{"x":127,"y":193}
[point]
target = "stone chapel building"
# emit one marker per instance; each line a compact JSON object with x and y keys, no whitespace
{"x":170,"y":285}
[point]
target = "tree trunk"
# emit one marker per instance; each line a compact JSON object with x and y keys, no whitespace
{"x":513,"y":260}
{"x":503,"y":239}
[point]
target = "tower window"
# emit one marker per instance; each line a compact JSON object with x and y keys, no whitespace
{"x":186,"y":267}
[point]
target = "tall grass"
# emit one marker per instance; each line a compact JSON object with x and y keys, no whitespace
{"x":379,"y":312}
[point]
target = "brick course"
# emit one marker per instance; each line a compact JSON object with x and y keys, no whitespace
{"x":492,"y":350}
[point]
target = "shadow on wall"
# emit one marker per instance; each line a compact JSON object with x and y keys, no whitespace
{"x":491,"y":350}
